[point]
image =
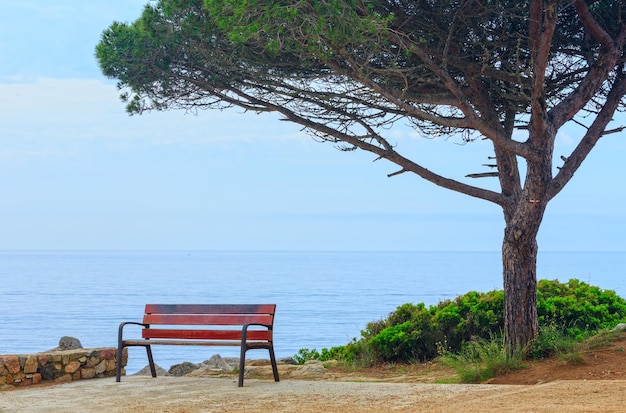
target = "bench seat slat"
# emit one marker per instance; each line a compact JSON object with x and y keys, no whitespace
{"x":173,"y":342}
{"x":207,"y":319}
{"x":180,"y":342}
{"x":235,"y":335}
{"x":210,"y":309}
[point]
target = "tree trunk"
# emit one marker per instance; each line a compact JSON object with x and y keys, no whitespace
{"x":519,"y":261}
{"x":523,"y":217}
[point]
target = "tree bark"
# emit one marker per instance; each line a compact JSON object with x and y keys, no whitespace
{"x":519,"y":260}
{"x":519,"y":253}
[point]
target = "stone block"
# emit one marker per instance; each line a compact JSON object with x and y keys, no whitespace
{"x":66,"y":378}
{"x":72,"y":367}
{"x":48,"y":372}
{"x":17,"y":378}
{"x":12,"y":364}
{"x":88,"y":373}
{"x":101,"y":367}
{"x":31,"y":365}
{"x":93,"y":361}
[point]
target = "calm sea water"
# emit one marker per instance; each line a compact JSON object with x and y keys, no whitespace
{"x":323,"y":299}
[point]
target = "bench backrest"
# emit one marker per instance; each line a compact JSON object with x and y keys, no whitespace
{"x":171,"y":317}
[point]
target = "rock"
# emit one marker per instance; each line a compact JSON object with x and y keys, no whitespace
{"x":215,"y":366}
{"x":101,"y":367}
{"x":12,"y":364}
{"x":216,"y":362}
{"x":67,"y":343}
{"x":259,"y":362}
{"x":31,"y":365}
{"x":146,"y":371}
{"x":309,"y":369}
{"x":72,"y":367}
{"x":183,"y":369}
{"x":48,"y":372}
{"x":620,"y":326}
{"x":287,"y":360}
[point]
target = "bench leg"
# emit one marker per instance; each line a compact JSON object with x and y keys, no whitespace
{"x":118,"y":364}
{"x":242,"y":365}
{"x":274,"y":366}
{"x":151,"y":361}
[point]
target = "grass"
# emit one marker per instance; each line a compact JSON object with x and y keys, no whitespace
{"x":483,"y":359}
{"x":603,"y":339}
{"x":572,"y":351}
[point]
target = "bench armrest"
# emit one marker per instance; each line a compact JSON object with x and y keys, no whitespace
{"x":268,"y":326}
{"x":124,"y":324}
{"x":244,"y":330}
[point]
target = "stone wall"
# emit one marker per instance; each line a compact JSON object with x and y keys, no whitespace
{"x":57,"y":366}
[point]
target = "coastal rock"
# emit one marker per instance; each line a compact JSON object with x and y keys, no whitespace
{"x":215,"y":366}
{"x":258,"y":362}
{"x":287,"y":360}
{"x":217,"y":362}
{"x":146,"y":371}
{"x":67,"y":343}
{"x":311,"y":368}
{"x":183,"y":369}
{"x":256,"y":368}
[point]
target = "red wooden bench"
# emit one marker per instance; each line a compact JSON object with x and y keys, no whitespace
{"x":249,"y":326}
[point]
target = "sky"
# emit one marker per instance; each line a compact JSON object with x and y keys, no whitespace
{"x":76,"y":172}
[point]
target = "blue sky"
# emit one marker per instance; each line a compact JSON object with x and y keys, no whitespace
{"x":77,"y":173}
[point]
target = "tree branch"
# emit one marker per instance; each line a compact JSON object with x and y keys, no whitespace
{"x":597,"y":73}
{"x":591,"y":137}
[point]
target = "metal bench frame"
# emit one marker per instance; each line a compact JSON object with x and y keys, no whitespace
{"x":203,"y":325}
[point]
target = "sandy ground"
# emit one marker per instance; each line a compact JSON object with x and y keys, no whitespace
{"x":139,"y":394}
{"x":595,"y":384}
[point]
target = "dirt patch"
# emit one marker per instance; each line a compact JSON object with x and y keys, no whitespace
{"x":604,"y":363}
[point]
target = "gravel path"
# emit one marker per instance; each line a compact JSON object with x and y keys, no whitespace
{"x":183,"y":394}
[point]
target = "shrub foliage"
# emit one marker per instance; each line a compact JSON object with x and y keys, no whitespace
{"x":415,"y":332}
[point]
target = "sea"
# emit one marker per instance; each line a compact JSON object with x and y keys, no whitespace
{"x":324,"y":299}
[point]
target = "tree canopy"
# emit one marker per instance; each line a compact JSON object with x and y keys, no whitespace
{"x":348,"y":70}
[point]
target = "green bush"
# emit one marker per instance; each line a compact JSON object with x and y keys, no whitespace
{"x":415,"y":332}
{"x":568,"y":312}
{"x":579,"y":307}
{"x":306,"y":354}
{"x":354,"y":353}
